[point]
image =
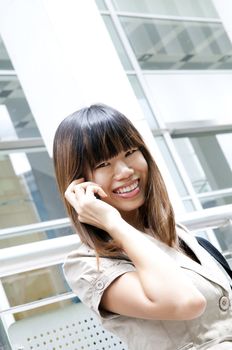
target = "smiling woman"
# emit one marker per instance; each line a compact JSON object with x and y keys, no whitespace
{"x":101,"y":145}
{"x":147,"y":280}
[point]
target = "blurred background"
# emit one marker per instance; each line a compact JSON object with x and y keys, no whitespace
{"x":166,"y":64}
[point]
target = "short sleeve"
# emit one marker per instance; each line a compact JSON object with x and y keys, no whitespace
{"x":88,"y":282}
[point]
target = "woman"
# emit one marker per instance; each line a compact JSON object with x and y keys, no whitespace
{"x":147,"y":279}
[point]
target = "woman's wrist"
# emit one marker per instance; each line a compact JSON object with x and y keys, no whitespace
{"x":119,"y":230}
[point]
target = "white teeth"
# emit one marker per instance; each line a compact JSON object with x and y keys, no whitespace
{"x":127,"y":188}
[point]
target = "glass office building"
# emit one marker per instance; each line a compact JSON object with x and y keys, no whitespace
{"x":165,"y":64}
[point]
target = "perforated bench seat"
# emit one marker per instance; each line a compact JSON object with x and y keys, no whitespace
{"x":71,"y":328}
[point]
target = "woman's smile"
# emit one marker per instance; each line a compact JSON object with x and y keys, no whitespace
{"x":129,"y":190}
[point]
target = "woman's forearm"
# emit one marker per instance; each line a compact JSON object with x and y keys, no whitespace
{"x":161,"y":278}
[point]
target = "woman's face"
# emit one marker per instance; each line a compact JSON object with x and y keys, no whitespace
{"x":124,"y":180}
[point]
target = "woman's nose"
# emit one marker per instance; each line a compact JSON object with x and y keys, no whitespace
{"x":123,"y":171}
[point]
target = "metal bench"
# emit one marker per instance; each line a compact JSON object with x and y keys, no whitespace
{"x":73,"y":327}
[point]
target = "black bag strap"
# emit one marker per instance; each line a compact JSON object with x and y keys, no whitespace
{"x":215,"y":253}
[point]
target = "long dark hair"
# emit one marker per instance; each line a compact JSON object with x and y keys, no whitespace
{"x":95,"y":134}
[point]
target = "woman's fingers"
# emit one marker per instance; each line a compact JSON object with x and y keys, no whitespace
{"x":74,"y":183}
{"x":70,"y":188}
{"x":79,"y":189}
{"x":92,"y":190}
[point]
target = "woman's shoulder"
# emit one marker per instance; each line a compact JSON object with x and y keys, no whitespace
{"x":84,"y":260}
{"x":82,"y":251}
{"x":79,"y":259}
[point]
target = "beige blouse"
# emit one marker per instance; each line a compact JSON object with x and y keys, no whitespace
{"x":212,"y":330}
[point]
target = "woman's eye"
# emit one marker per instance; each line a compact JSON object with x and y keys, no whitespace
{"x":131,"y":151}
{"x":102,"y":165}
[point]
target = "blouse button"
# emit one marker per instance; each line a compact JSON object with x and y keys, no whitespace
{"x":100,"y":285}
{"x":224,"y":303}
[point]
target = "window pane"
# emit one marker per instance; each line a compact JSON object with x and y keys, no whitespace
{"x":207,"y":160}
{"x":172,"y":166}
{"x":191,"y":8}
{"x":117,"y":43}
{"x":5,"y":63}
{"x":224,"y":236}
{"x":216,"y":201}
{"x":189,"y":206}
{"x":166,"y":44}
{"x":16,"y":118}
{"x":225,"y":141}
{"x":101,"y":5}
{"x":192,"y":165}
{"x":28,"y":192}
{"x":143,"y":101}
{"x":35,"y":285}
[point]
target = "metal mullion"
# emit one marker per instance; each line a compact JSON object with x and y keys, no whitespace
{"x":8,"y":72}
{"x":38,"y":303}
{"x":40,"y":254}
{"x":32,"y":228}
{"x":104,"y":12}
{"x":167,"y":17}
{"x":206,"y":218}
{"x":186,"y":198}
{"x":20,"y":145}
{"x":185,"y":71}
{"x":23,"y":150}
{"x":130,"y":72}
{"x":226,"y":192}
{"x":133,"y":59}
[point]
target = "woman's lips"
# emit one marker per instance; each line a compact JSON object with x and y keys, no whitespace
{"x":128,"y":191}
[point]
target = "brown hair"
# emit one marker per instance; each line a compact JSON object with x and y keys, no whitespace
{"x":95,"y":134}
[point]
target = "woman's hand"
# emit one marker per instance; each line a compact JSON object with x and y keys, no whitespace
{"x":91,"y":210}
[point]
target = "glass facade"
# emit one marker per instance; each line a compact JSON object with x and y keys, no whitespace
{"x":15,"y":115}
{"x":171,"y":45}
{"x":207,"y":159}
{"x":188,"y":8}
{"x":180,"y":36}
{"x":28,"y":195}
{"x":35,"y":285}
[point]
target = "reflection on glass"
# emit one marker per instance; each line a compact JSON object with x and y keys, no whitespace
{"x":143,"y":101}
{"x":207,"y":160}
{"x":35,"y":285}
{"x":216,"y":201}
{"x":5,"y":63}
{"x":171,"y":166}
{"x":4,"y":343}
{"x":224,"y":236}
{"x":224,"y":140}
{"x":101,"y":5}
{"x":28,"y":191}
{"x":117,"y":43}
{"x":189,"y":206}
{"x":190,"y":8}
{"x":167,"y":44}
{"x":192,"y":164}
{"x":16,"y":119}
